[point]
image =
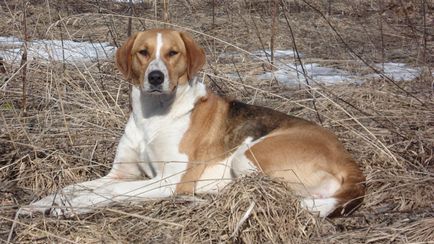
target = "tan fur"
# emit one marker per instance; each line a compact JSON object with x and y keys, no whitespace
{"x":309,"y":157}
{"x":124,"y":57}
{"x":203,"y":142}
{"x":195,"y":55}
{"x":181,"y":67}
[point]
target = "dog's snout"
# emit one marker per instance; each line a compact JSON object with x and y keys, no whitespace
{"x":156,"y":77}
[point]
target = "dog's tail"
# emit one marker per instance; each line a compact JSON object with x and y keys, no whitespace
{"x":352,"y":191}
{"x":348,"y":180}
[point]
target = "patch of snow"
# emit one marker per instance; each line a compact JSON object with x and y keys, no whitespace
{"x":292,"y":75}
{"x":281,"y":75}
{"x":327,"y":75}
{"x":55,"y":50}
{"x":277,"y":53}
{"x":127,"y":1}
{"x":10,"y":40}
{"x":229,"y":54}
{"x":289,"y":74}
{"x":262,"y":54}
{"x":398,"y":71}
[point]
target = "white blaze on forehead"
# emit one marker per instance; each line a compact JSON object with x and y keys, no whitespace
{"x":159,"y":44}
{"x":157,"y":64}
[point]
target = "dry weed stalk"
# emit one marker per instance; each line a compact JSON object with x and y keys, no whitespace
{"x":388,"y":133}
{"x":23,"y":64}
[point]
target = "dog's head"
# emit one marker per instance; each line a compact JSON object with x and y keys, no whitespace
{"x":160,"y":60}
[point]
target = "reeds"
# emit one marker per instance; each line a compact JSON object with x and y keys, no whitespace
{"x":76,"y":112}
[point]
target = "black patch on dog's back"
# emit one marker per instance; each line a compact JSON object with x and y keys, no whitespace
{"x":244,"y":120}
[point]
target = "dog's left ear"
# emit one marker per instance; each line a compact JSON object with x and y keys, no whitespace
{"x":124,"y":58}
{"x":195,"y":55}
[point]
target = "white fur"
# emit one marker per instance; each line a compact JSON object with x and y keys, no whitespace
{"x":323,"y":206}
{"x":241,"y":165}
{"x":217,"y":176}
{"x":157,"y":64}
{"x":159,"y":45}
{"x":149,"y":146}
{"x":326,"y":189}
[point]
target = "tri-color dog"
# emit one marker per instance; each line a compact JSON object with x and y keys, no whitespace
{"x":182,"y":138}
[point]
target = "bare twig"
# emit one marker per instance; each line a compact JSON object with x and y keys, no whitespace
{"x":347,"y":46}
{"x":24,"y":58}
{"x":166,"y":17}
{"x":329,"y":7}
{"x":213,"y":13}
{"x":155,"y":9}
{"x":274,"y":8}
{"x":243,"y":219}
{"x":63,"y":47}
{"x":380,"y":20}
{"x":12,"y":230}
{"x":305,"y":75}
{"x":424,"y":38}
{"x":130,"y":20}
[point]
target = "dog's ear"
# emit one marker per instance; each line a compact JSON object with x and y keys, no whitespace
{"x":195,"y":55}
{"x":124,"y":57}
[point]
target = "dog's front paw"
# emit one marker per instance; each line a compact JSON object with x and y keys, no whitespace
{"x":67,"y":205}
{"x":43,"y":206}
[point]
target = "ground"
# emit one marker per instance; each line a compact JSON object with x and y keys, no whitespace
{"x":61,"y":119}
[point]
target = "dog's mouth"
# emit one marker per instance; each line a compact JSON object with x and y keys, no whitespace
{"x":160,"y":91}
{"x":155,"y":91}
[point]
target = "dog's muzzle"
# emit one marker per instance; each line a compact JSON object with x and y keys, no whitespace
{"x":156,"y":78}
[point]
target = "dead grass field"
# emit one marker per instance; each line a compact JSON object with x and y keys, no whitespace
{"x":73,"y":116}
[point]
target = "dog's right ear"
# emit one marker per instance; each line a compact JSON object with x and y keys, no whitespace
{"x":124,"y":57}
{"x":195,"y":55}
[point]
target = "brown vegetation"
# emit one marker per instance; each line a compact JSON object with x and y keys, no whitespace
{"x":75,"y":115}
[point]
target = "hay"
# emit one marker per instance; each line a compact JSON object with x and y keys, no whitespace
{"x":253,"y":209}
{"x":76,"y":113}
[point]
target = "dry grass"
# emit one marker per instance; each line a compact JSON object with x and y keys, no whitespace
{"x":76,"y":114}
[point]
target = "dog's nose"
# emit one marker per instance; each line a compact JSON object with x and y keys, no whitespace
{"x":156,"y":77}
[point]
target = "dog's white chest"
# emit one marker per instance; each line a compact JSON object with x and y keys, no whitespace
{"x":159,"y":133}
{"x":162,"y":138}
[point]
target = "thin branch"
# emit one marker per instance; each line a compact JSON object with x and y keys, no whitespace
{"x":24,"y":58}
{"x":305,"y":75}
{"x":347,"y":46}
{"x":274,"y":8}
{"x":130,"y":20}
{"x":382,"y":34}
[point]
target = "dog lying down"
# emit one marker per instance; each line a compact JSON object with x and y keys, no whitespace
{"x":188,"y":140}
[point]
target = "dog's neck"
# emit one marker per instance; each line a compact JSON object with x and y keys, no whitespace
{"x":181,"y":102}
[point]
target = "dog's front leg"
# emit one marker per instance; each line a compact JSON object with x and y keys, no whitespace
{"x":85,"y":197}
{"x":73,"y":199}
{"x":79,"y":198}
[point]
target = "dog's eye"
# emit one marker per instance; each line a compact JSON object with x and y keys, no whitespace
{"x":172,"y":53}
{"x":144,"y":52}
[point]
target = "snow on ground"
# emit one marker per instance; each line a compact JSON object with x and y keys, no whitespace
{"x":127,"y":1}
{"x":293,"y":75}
{"x":261,"y":54}
{"x":398,"y":71}
{"x":55,"y":50}
{"x":277,"y":53}
{"x":286,"y":71}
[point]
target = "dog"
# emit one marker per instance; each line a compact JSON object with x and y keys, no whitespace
{"x":183,"y":139}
